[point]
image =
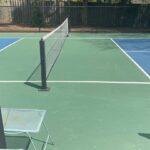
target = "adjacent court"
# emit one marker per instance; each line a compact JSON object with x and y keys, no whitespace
{"x":5,"y":42}
{"x":138,"y":50}
{"x":99,"y":89}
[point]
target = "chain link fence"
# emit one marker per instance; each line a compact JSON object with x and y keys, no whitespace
{"x":135,"y":16}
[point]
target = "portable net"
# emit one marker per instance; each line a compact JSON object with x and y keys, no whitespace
{"x":50,"y":47}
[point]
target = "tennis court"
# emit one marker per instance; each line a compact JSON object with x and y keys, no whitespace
{"x":99,"y":88}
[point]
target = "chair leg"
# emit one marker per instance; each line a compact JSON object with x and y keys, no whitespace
{"x":49,"y":138}
{"x":45,"y":145}
{"x":31,"y":140}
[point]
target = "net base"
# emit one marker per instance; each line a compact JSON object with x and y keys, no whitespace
{"x":44,"y":89}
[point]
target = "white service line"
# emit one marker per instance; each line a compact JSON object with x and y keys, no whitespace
{"x":99,"y":82}
{"x":88,"y":38}
{"x":147,"y":75}
{"x":77,"y":81}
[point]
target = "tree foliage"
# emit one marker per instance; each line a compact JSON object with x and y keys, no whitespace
{"x":114,"y":1}
{"x":37,"y":18}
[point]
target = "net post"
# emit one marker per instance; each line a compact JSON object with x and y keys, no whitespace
{"x":43,"y":66}
{"x":63,"y":30}
{"x":67,"y":27}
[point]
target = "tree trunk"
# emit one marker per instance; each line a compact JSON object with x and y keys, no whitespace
{"x":85,"y":13}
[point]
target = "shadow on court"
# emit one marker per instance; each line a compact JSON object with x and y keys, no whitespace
{"x":34,"y":85}
{"x":145,"y":135}
{"x":16,"y":142}
{"x":35,"y":76}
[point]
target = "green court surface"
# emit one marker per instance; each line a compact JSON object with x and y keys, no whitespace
{"x":98,"y":99}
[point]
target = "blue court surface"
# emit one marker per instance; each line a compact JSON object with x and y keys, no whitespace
{"x":138,"y":50}
{"x":5,"y":42}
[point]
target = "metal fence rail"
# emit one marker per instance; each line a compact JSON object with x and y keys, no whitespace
{"x":93,"y":16}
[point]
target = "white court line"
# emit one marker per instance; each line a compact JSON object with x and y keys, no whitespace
{"x":21,"y":37}
{"x":99,"y":82}
{"x":147,"y":75}
{"x":11,"y":44}
{"x":78,"y":81}
{"x":32,"y":38}
{"x":138,"y":51}
{"x":69,"y":38}
{"x":102,"y":38}
{"x":89,"y":38}
{"x":132,"y":38}
{"x":83,"y":38}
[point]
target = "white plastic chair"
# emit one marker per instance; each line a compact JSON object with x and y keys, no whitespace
{"x":25,"y":121}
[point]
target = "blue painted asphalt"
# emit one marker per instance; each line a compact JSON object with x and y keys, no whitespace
{"x":4,"y":42}
{"x":138,"y":50}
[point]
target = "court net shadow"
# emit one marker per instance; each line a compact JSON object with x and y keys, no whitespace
{"x":17,"y":142}
{"x":34,"y":79}
{"x":145,"y":135}
{"x":34,"y":85}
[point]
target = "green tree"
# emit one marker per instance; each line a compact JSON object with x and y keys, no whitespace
{"x":37,"y":18}
{"x":115,"y":1}
{"x":125,"y":2}
{"x":84,"y":12}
